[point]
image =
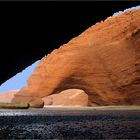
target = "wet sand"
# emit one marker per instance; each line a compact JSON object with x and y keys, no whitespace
{"x":132,"y":107}
{"x":70,"y":123}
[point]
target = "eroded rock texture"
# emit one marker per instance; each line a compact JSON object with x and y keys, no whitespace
{"x":104,"y":61}
{"x":69,"y":97}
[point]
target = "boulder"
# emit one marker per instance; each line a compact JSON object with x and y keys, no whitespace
{"x":48,"y":100}
{"x":104,"y":61}
{"x":69,"y":97}
{"x":36,"y":103}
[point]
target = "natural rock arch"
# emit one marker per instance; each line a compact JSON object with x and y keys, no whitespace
{"x":104,"y":61}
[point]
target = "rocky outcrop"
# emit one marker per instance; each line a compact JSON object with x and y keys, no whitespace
{"x":104,"y":61}
{"x":37,"y":103}
{"x":69,"y":97}
{"x":6,"y":97}
{"x":14,"y":106}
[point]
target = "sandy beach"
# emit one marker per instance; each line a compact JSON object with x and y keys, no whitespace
{"x":132,"y":107}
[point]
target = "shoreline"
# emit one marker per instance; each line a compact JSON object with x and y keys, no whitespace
{"x":60,"y":107}
{"x":129,"y":107}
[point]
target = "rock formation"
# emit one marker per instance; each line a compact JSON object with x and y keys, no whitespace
{"x":104,"y":61}
{"x":6,"y":97}
{"x":69,"y":97}
{"x":36,"y":103}
{"x":14,"y":106}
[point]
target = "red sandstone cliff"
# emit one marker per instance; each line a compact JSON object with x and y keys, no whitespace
{"x":104,"y":61}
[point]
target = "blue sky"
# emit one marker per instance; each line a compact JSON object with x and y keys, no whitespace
{"x":19,"y":80}
{"x":120,"y":12}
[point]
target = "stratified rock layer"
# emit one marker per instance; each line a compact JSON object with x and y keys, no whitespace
{"x":69,"y":97}
{"x":104,"y":61}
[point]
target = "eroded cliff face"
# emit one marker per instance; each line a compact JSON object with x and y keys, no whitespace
{"x":104,"y":61}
